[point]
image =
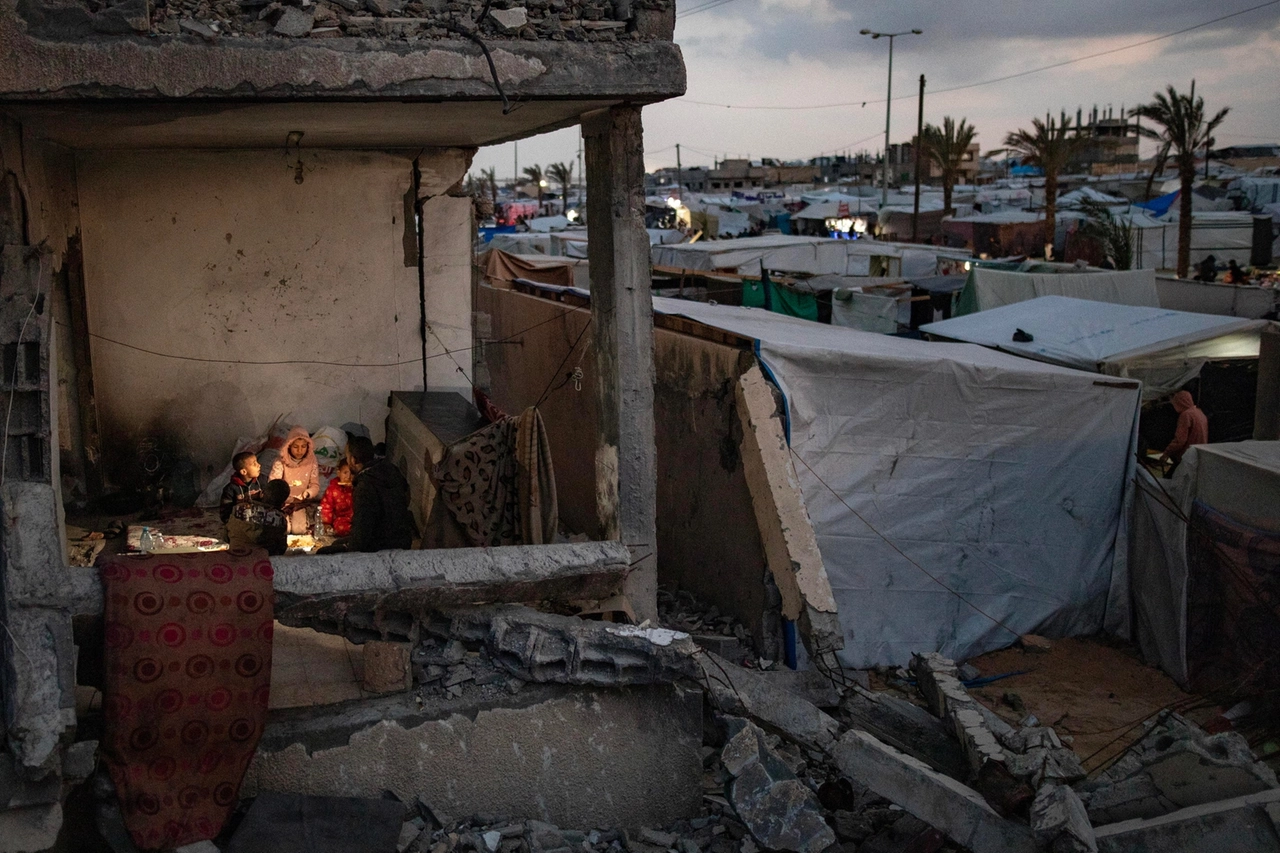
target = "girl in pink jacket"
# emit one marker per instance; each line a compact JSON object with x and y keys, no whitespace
{"x":298,"y":467}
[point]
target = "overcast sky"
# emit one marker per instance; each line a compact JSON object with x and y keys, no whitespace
{"x":763,"y":53}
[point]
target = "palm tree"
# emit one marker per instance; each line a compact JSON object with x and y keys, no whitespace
{"x":1050,"y":144}
{"x":946,"y":147}
{"x":534,"y":173}
{"x":562,"y":173}
{"x":490,"y":176}
{"x":1181,"y":127}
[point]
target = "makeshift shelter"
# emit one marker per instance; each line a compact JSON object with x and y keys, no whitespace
{"x":501,"y":269}
{"x":813,"y":255}
{"x":1008,"y":232}
{"x":1164,"y":349}
{"x":991,"y":288}
{"x":1217,"y":297}
{"x":959,"y":496}
{"x":1205,"y":565}
{"x":570,"y":244}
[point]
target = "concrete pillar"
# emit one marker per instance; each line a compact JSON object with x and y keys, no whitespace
{"x":622,"y":313}
{"x":1266,"y":415}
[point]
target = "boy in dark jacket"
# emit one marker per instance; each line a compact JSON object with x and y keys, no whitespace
{"x":262,"y":524}
{"x":243,"y":487}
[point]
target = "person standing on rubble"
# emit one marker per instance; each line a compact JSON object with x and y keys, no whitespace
{"x":1193,"y":428}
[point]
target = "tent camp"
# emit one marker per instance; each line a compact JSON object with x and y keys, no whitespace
{"x":1164,"y":349}
{"x":1205,"y":562}
{"x":813,"y":255}
{"x":959,"y":496}
{"x":991,"y":288}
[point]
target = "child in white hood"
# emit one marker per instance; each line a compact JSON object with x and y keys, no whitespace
{"x":298,"y":467}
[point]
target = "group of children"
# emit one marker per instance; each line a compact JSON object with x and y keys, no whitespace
{"x":263,"y":516}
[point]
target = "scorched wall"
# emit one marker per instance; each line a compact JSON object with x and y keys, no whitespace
{"x":228,"y":256}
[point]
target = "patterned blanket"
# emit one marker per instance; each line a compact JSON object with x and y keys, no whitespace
{"x":499,"y":484}
{"x":188,"y":675}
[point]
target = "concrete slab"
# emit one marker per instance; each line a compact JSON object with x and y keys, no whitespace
{"x":574,"y":757}
{"x":938,"y":800}
{"x":1239,"y":825}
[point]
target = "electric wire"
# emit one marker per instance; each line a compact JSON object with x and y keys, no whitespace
{"x":13,"y":386}
{"x":447,"y":352}
{"x":974,"y":85}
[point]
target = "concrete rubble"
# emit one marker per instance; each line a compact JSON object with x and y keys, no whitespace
{"x":1173,"y":766}
{"x":780,"y":812}
{"x":556,"y":20}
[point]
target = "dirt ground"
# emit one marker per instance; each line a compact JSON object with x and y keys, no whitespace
{"x":1096,"y":690}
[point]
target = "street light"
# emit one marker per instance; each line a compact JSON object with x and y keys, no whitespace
{"x":884,"y":197}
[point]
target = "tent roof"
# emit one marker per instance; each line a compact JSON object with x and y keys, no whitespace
{"x":779,"y":329}
{"x":940,"y":283}
{"x":1255,"y":454}
{"x":1086,"y":334}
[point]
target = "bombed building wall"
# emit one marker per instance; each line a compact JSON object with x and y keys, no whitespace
{"x":282,"y":280}
{"x":708,"y":539}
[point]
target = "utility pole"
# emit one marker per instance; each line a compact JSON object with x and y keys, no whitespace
{"x":516,"y":180}
{"x":915,"y":212}
{"x":884,"y":197}
{"x":679,"y":174}
{"x":582,"y":201}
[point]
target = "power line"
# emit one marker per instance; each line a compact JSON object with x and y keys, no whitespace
{"x":704,"y":7}
{"x":445,"y":353}
{"x":1002,"y":79}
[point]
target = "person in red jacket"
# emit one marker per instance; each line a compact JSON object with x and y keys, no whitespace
{"x":1193,"y":428}
{"x":336,"y":508}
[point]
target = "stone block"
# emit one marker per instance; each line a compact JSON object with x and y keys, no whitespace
{"x":1239,"y":825}
{"x":18,"y":791}
{"x":30,"y":829}
{"x":386,"y":666}
{"x":627,"y":757}
{"x":750,"y":693}
{"x":543,"y":647}
{"x":510,"y":20}
{"x":777,"y":808}
{"x":79,"y":760}
{"x":941,"y":802}
{"x":294,"y":23}
{"x":1060,"y":821}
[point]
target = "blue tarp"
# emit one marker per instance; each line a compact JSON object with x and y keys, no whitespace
{"x":1159,"y":206}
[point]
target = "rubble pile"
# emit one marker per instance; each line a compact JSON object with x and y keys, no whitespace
{"x":411,"y":20}
{"x":715,"y":631}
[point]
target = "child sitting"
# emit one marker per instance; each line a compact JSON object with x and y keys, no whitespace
{"x":243,"y":487}
{"x":298,"y":468}
{"x":336,"y":507}
{"x":261,"y":524}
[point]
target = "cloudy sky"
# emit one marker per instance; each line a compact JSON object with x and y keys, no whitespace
{"x":808,"y":53}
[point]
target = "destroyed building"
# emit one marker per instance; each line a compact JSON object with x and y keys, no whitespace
{"x":229,"y":182}
{"x":214,"y":215}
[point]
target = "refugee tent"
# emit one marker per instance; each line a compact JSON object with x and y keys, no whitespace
{"x":547,"y":224}
{"x":959,"y":496}
{"x":1164,"y":349}
{"x":502,"y":268}
{"x":813,"y":255}
{"x":1205,"y":564}
{"x":571,"y":244}
{"x":991,"y":288}
{"x":1217,"y":297}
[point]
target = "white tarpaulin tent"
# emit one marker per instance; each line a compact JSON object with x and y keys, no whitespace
{"x":1240,"y":480}
{"x":934,"y":467}
{"x":1164,"y":349}
{"x":988,"y":288}
{"x":815,"y":255}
